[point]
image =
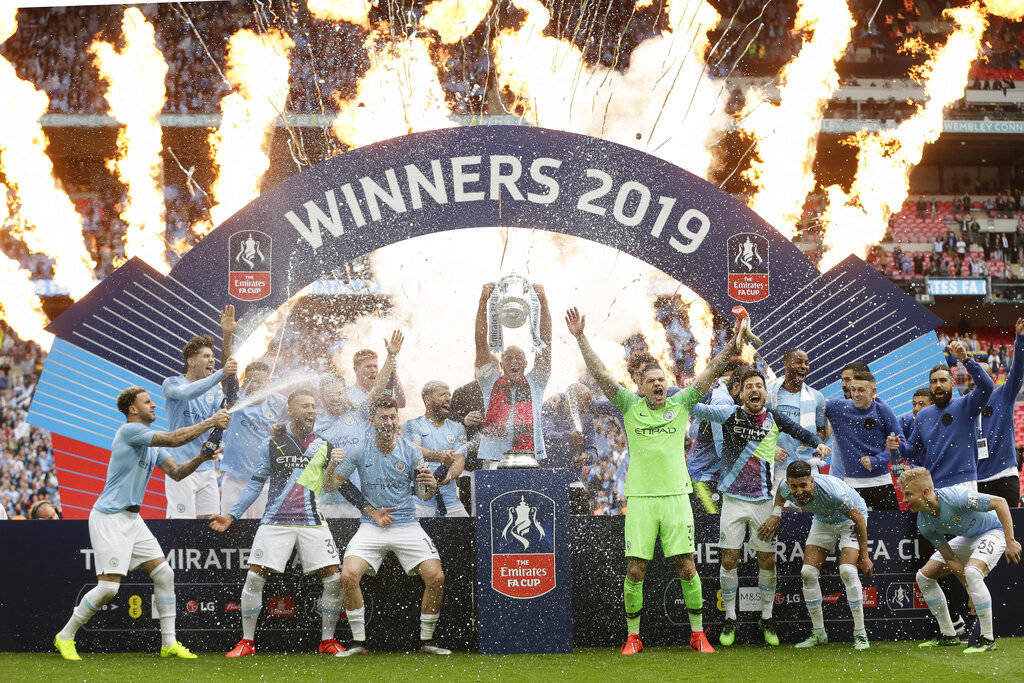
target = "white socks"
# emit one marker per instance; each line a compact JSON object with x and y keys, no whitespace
{"x":330,"y":605}
{"x":357,"y":621}
{"x":101,"y":594}
{"x":428,"y":622}
{"x":766,"y":582}
{"x":982,"y":599}
{"x":812,"y":596}
{"x":163,"y":591}
{"x":730,"y":585}
{"x":854,"y":594}
{"x":252,"y":603}
{"x":936,"y":601}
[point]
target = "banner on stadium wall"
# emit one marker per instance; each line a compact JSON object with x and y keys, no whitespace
{"x":38,"y":591}
{"x":134,"y":323}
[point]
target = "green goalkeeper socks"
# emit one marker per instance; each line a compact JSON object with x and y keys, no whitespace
{"x":633,"y":596}
{"x":694,"y":601}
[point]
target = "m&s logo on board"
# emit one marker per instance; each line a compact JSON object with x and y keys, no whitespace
{"x":523,"y":544}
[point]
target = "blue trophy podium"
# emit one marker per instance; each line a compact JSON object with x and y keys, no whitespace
{"x":523,"y":571}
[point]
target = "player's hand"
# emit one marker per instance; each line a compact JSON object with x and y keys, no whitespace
{"x":957,"y":350}
{"x":580,"y":460}
{"x":866,"y":461}
{"x":228,"y":324}
{"x":781,"y":455}
{"x":221,"y":418}
{"x":395,"y":345}
{"x":1013,"y":551}
{"x":823,"y":451}
{"x":767,"y":530}
{"x":892,"y":442}
{"x":382,"y":516}
{"x":337,"y":455}
{"x":487,"y":290}
{"x":425,"y":476}
{"x":1019,"y":327}
{"x":454,"y":471}
{"x":576,"y":439}
{"x":474,"y":418}
{"x":447,"y":458}
{"x":575,"y":322}
{"x":231,"y":368}
{"x":865,"y":565}
{"x":220,"y":523}
{"x":276,"y":429}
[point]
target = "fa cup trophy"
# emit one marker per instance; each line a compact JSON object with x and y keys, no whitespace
{"x":514,"y":303}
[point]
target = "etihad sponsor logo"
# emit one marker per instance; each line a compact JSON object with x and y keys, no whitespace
{"x":650,"y":431}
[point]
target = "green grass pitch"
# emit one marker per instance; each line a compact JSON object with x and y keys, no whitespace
{"x":890,"y":662}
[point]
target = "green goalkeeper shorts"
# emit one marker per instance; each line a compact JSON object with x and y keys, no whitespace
{"x":647,"y":517}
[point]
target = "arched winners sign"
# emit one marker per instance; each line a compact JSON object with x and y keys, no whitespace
{"x":131,"y":327}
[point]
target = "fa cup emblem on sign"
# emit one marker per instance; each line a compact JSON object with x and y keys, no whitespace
{"x":519,"y":521}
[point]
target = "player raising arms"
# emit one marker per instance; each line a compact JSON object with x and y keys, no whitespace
{"x":750,"y":436}
{"x":982,"y":530}
{"x":292,"y":518}
{"x":121,"y":541}
{"x":657,"y":483}
{"x":840,"y":514}
{"x":388,"y":468}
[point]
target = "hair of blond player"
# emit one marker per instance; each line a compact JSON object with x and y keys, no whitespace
{"x":916,"y":474}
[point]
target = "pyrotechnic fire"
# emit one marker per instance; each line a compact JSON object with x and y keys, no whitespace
{"x":19,"y":305}
{"x":1010,"y":9}
{"x":858,"y":219}
{"x":664,"y":104}
{"x":257,"y":66}
{"x":53,"y":225}
{"x":454,"y":19}
{"x":135,"y":95}
{"x":402,"y":70}
{"x":701,"y":327}
{"x":782,"y":169}
{"x":352,"y":11}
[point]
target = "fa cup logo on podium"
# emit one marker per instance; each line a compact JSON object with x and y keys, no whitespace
{"x":519,"y":521}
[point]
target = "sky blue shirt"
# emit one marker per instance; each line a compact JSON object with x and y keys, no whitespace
{"x":248,"y":432}
{"x":789,"y":405}
{"x":386,"y":479}
{"x":448,"y":437}
{"x":188,"y":403}
{"x":345,"y":431}
{"x":833,"y":498}
{"x":131,"y":463}
{"x":961,"y":513}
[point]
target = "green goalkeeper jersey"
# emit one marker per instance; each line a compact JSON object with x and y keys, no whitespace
{"x":657,"y":442}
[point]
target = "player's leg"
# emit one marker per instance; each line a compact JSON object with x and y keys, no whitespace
{"x":641,"y":532}
{"x":353,"y":568}
{"x":854,"y":592}
{"x":112,"y":555}
{"x":814,"y":558}
{"x":207,"y":494}
{"x":318,"y":553}
{"x":731,"y":532}
{"x":928,"y":582}
{"x":433,"y":591}
{"x":677,"y":541}
{"x":985,"y":551}
{"x":757,"y":514}
{"x":166,"y":608}
{"x":252,"y":605}
{"x":728,"y":576}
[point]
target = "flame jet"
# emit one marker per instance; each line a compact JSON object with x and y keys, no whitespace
{"x":53,"y":226}
{"x":857,"y":219}
{"x":135,"y":95}
{"x":786,"y":133}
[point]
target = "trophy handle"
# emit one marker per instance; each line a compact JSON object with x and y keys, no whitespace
{"x":743,"y":318}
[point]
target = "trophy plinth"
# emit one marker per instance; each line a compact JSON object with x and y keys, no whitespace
{"x":518,"y":460}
